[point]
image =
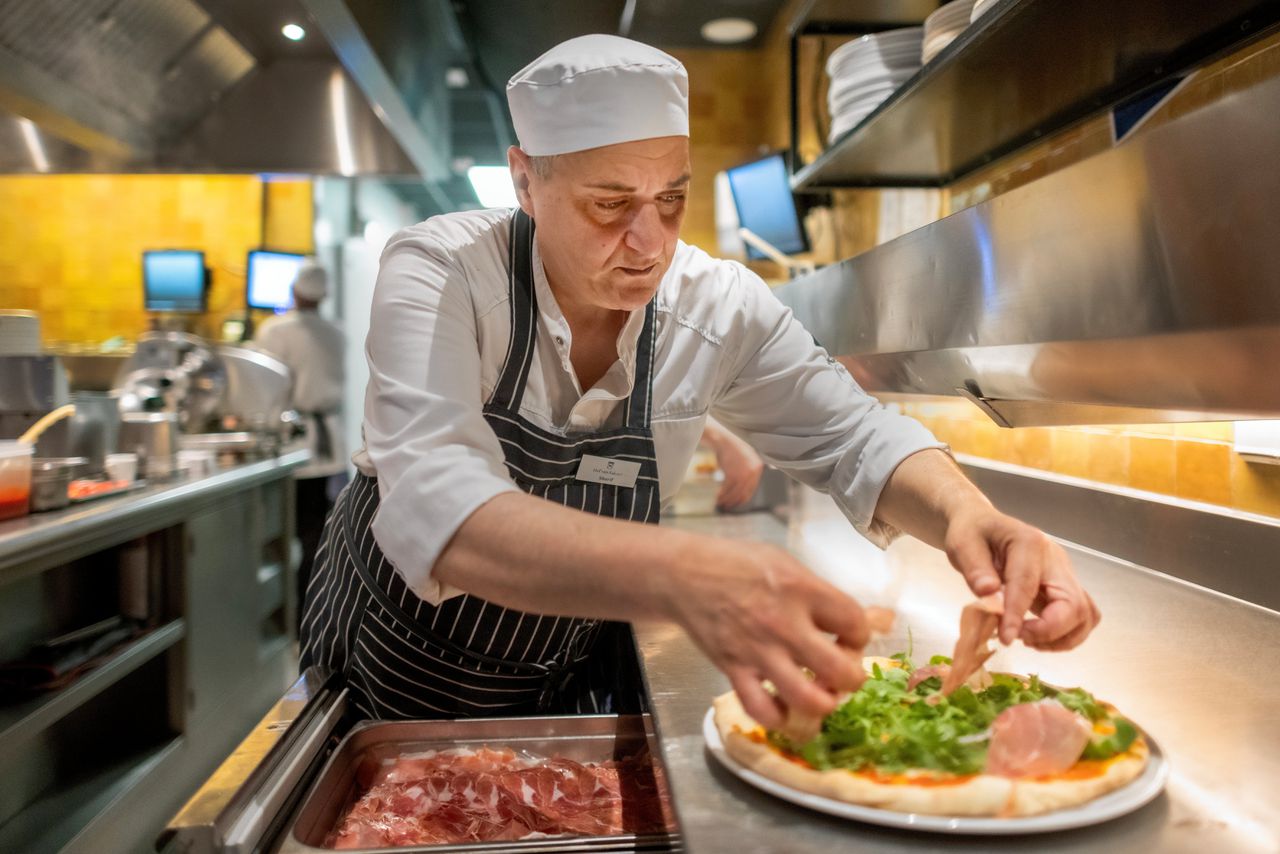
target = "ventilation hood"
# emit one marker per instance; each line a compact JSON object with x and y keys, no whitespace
{"x":1139,"y":285}
{"x":212,"y":86}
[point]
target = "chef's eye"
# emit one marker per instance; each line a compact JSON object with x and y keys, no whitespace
{"x":611,"y":206}
{"x":672,"y":200}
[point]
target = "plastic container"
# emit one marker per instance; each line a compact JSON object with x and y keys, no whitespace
{"x":15,"y":479}
{"x":197,"y":463}
{"x":121,"y":467}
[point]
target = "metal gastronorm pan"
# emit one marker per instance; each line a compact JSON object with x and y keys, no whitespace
{"x":590,"y":738}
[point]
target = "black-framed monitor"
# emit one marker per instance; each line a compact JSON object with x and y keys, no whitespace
{"x":270,"y":278}
{"x":174,"y":280}
{"x":762,"y":196}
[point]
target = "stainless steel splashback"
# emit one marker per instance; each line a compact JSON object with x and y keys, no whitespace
{"x":1140,"y":285}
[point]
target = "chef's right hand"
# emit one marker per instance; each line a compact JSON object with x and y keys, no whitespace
{"x":758,"y":614}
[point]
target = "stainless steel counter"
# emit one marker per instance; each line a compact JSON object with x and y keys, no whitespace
{"x":27,"y":539}
{"x":1195,"y":668}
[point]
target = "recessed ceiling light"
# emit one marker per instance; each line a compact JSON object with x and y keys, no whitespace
{"x":728,"y":30}
{"x":293,"y":32}
{"x":456,"y":77}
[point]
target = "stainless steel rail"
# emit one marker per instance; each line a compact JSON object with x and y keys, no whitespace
{"x":1195,"y":668}
{"x":28,"y":542}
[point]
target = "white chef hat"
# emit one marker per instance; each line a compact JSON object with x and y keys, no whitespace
{"x":597,"y":90}
{"x":312,"y":282}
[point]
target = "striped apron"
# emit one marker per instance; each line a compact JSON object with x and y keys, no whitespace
{"x":405,"y":658}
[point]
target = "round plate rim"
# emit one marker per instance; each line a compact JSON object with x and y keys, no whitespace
{"x":1133,"y":796}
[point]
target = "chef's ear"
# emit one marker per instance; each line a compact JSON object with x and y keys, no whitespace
{"x":521,"y":174}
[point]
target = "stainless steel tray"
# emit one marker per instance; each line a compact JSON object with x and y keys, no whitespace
{"x":590,"y":738}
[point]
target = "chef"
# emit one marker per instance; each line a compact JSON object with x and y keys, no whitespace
{"x":539,"y":380}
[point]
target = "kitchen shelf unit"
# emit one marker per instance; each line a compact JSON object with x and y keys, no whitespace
{"x":1023,"y":71}
{"x":103,"y":763}
{"x":69,"y":812}
{"x":21,"y":721}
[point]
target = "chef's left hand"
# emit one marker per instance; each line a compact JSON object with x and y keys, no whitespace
{"x":997,"y":552}
{"x":740,"y":463}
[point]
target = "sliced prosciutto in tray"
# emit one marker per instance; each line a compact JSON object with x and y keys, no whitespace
{"x":479,"y":785}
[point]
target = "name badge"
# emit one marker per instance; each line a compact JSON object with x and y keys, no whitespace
{"x":604,"y":470}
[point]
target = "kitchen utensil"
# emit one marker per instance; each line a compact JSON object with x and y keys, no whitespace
{"x":50,"y":478}
{"x":15,"y":479}
{"x":153,"y":436}
{"x":122,"y":467}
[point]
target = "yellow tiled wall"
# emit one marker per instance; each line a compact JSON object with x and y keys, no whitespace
{"x":1193,"y":461}
{"x":729,"y":101}
{"x":71,"y":245}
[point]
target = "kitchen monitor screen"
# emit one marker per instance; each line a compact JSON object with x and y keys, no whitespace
{"x":173,"y":280}
{"x":762,"y":195}
{"x":271,"y":276}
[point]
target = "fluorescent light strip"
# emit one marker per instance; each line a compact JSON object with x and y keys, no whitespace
{"x":31,"y":137}
{"x":341,"y":124}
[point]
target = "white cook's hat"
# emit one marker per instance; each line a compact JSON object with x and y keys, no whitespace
{"x":597,"y":90}
{"x":312,"y":282}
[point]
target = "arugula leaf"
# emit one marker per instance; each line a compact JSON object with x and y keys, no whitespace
{"x":940,"y":659}
{"x":1081,"y":701}
{"x":1110,"y":745}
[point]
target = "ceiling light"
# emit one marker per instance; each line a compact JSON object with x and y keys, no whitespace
{"x":293,"y":32}
{"x":457,"y":78}
{"x":493,"y":186}
{"x":728,"y":30}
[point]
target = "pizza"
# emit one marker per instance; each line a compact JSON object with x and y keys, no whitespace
{"x":947,"y":738}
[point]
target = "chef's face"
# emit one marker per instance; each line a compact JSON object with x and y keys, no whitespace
{"x":607,"y":218}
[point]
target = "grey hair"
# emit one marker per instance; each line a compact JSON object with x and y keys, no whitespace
{"x":542,"y":165}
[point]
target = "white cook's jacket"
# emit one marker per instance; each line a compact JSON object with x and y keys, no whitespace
{"x":312,"y":348}
{"x":725,"y":345}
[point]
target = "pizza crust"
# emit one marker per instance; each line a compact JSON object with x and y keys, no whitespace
{"x":979,"y":795}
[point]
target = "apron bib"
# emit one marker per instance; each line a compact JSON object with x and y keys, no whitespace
{"x":404,"y":658}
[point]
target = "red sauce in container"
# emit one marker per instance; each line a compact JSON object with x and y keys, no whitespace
{"x":13,"y":501}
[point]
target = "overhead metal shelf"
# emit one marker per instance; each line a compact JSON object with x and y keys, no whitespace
{"x":1026,"y":69}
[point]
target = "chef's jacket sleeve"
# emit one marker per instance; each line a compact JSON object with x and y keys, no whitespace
{"x":436,"y":458}
{"x":803,"y":413}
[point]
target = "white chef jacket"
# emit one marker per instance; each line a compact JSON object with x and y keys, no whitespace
{"x":312,"y":348}
{"x":438,"y":337}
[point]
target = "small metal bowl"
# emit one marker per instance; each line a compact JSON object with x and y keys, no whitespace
{"x":50,"y":477}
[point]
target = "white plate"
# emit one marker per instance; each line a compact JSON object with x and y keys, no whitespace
{"x":847,"y":94}
{"x":885,"y":45}
{"x":1112,"y":805}
{"x":902,"y":60}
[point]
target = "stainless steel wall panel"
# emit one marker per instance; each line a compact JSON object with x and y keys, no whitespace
{"x":1146,"y":277}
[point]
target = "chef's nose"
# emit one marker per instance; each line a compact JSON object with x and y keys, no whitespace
{"x":644,"y":234}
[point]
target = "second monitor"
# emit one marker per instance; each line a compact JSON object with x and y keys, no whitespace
{"x":270,"y":279}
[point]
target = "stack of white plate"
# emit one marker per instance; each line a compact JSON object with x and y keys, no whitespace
{"x":980,"y":8}
{"x":865,"y":71}
{"x":942,"y":27}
